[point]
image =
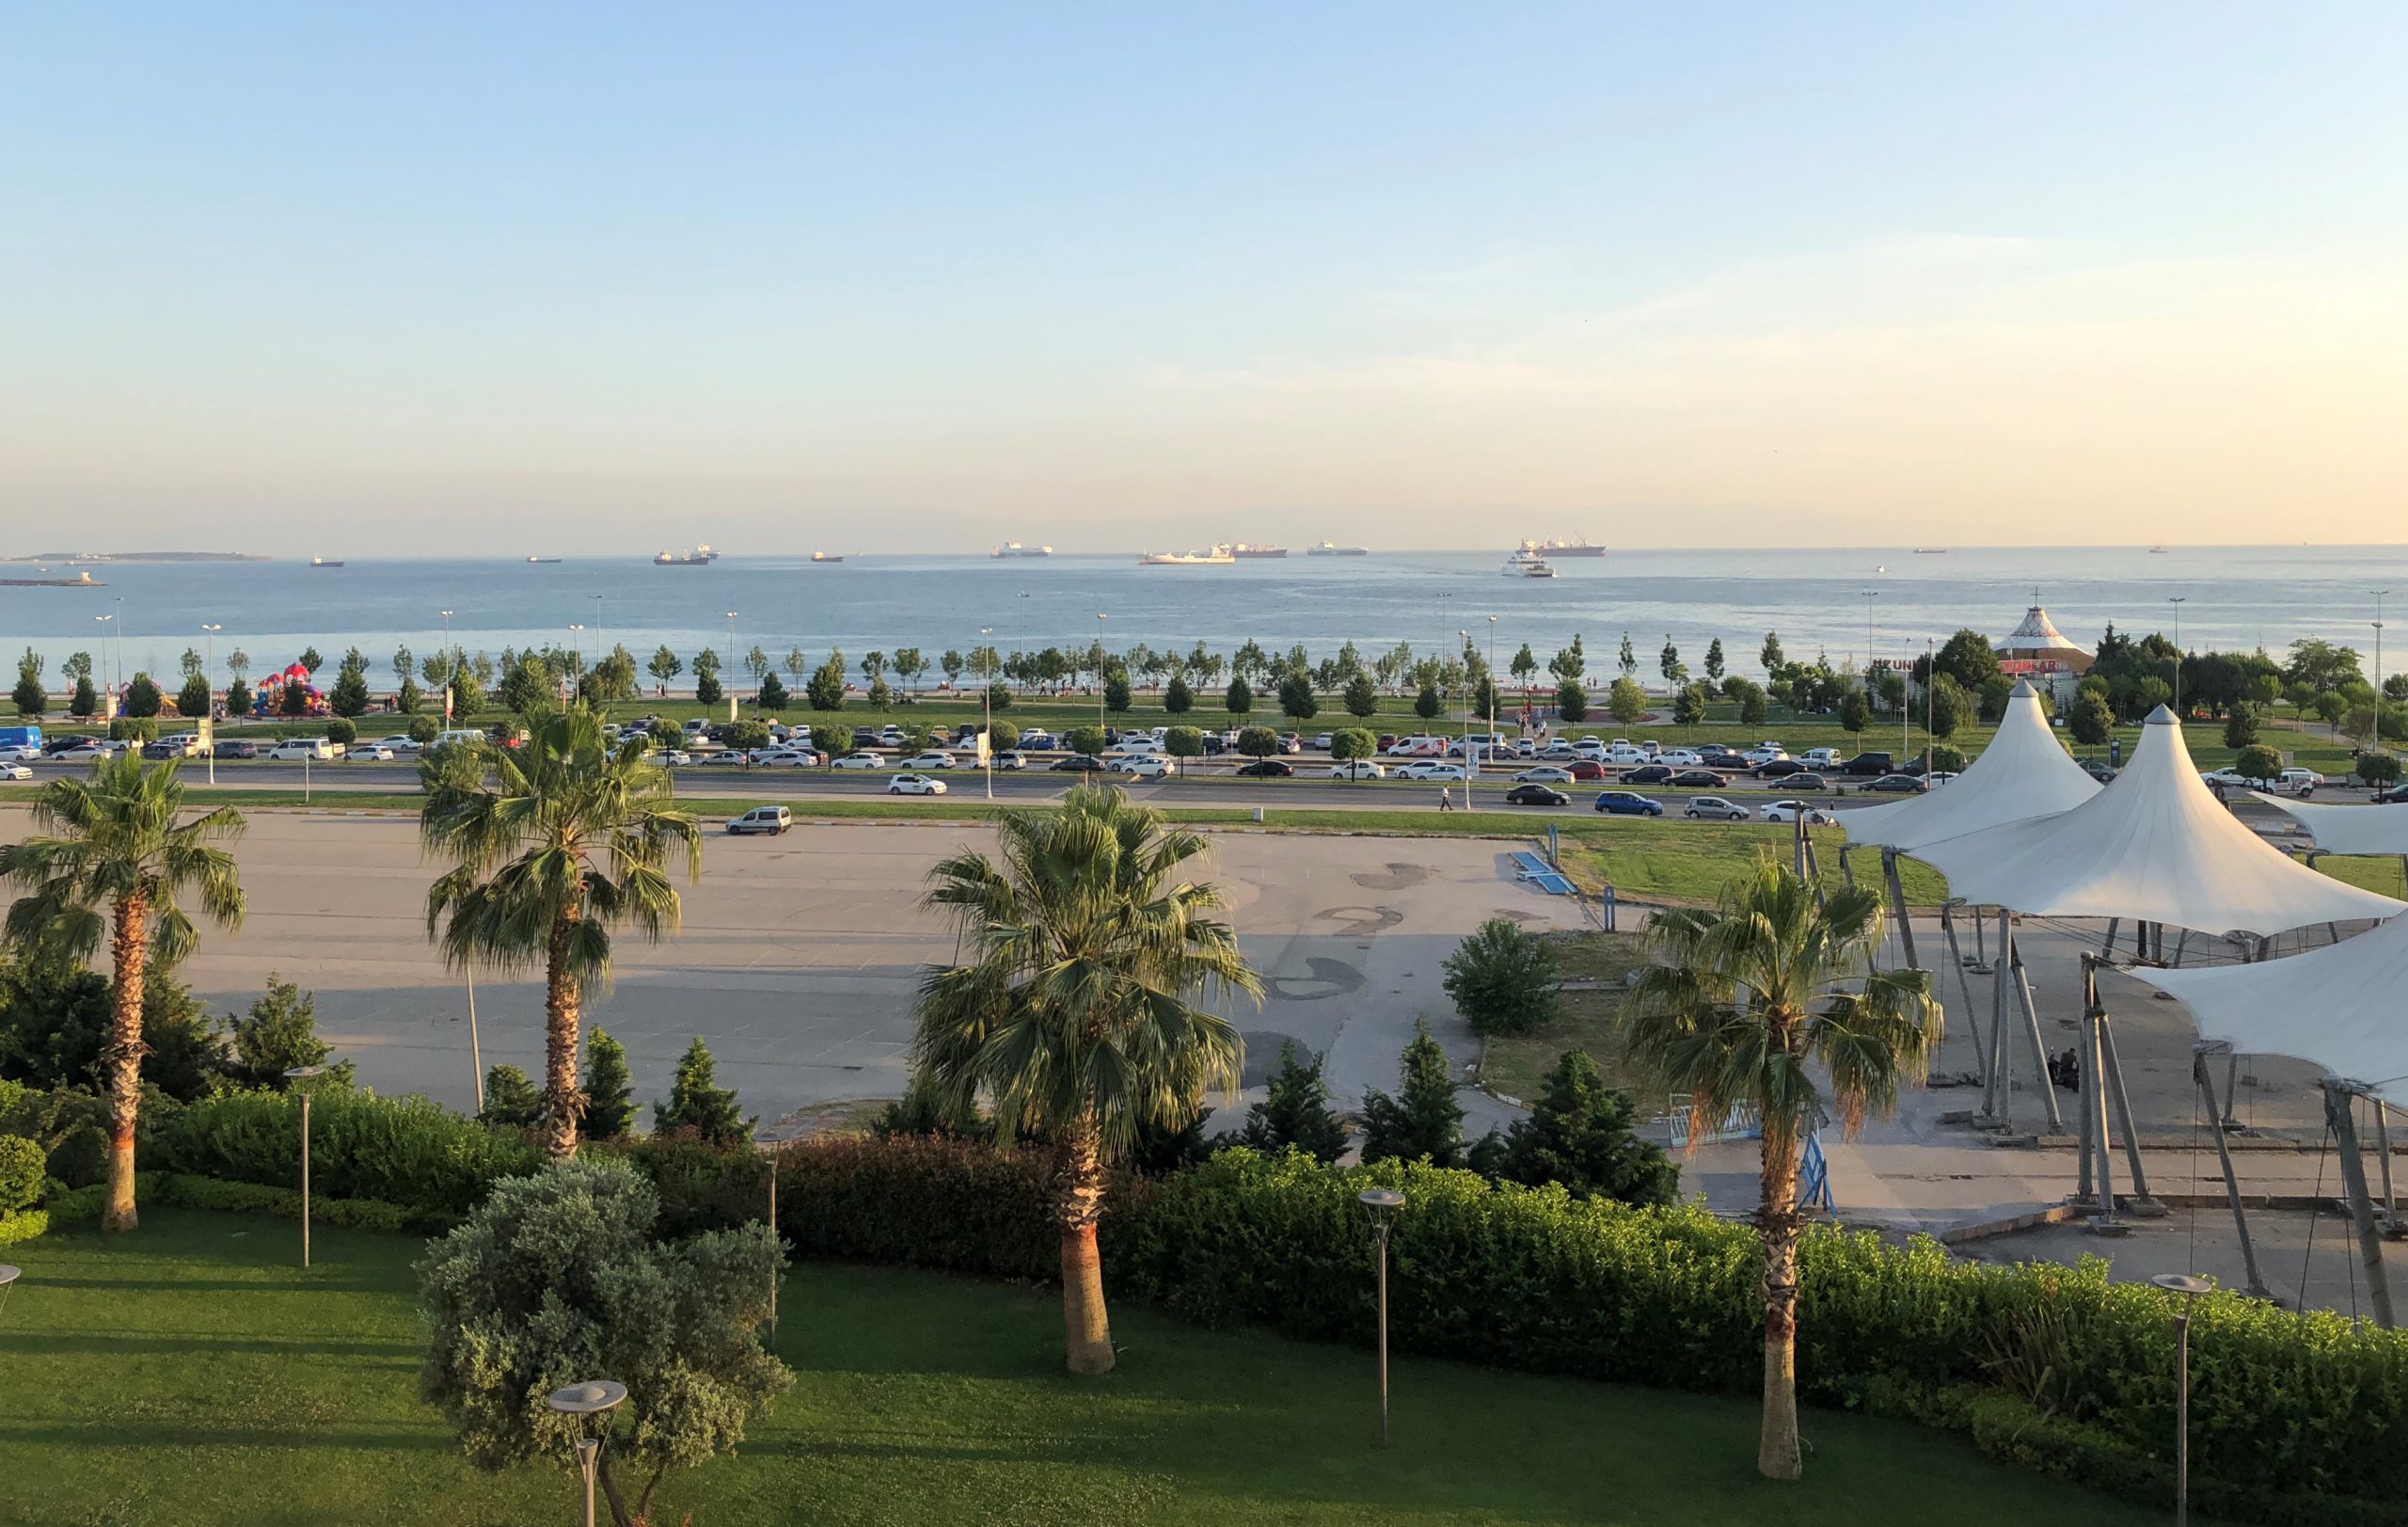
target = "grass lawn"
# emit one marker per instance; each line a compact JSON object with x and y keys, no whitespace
{"x":1516,"y":1066}
{"x":194,"y":1376}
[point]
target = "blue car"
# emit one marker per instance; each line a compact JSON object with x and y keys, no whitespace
{"x":1627,"y":803}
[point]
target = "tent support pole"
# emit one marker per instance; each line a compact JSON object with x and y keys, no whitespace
{"x":1982,"y":955}
{"x":2031,"y":1026}
{"x":2383,"y":1157}
{"x":1998,"y":1106}
{"x":1799,"y":820}
{"x":2199,"y":1053}
{"x":2107,"y":946}
{"x":2231,"y":1092}
{"x":2332,"y":932}
{"x":1964,"y":987}
{"x":2085,"y":1187}
{"x":1898,"y":898}
{"x":2180,"y":943}
{"x":2340,"y":1112}
{"x":2094,"y":1104}
{"x":1848,"y":872}
{"x":2142,"y":1203}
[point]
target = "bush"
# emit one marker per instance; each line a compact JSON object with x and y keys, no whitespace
{"x":134,"y":728}
{"x":23,"y":1167}
{"x":424,"y":729}
{"x":696,"y":1102}
{"x":281,"y":1035}
{"x":1423,"y":1122}
{"x":1502,"y":980}
{"x":2259,"y":762}
{"x":1258,"y":741}
{"x":404,"y":1151}
{"x":1296,"y":1111}
{"x":1947,"y":761}
{"x":609,"y":1108}
{"x":342,"y":729}
{"x":1087,"y":740}
{"x":1003,"y":737}
{"x":1352,"y":743}
{"x":1184,"y":741}
{"x":1296,"y":699}
{"x":142,"y":697}
{"x":746,"y":735}
{"x":23,"y":1226}
{"x":2377,"y":768}
{"x":922,"y":1200}
{"x":1178,"y":698}
{"x":1579,"y":1134}
{"x":511,"y":1101}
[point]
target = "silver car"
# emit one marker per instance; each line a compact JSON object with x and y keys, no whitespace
{"x":1715,"y":808}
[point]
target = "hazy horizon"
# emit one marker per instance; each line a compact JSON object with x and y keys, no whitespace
{"x":607,"y":280}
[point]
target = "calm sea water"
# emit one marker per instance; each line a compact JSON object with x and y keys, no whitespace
{"x":2231,"y":596}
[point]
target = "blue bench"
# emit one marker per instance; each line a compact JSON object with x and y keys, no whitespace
{"x":1530,"y":867}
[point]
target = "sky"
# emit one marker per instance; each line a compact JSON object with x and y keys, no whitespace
{"x":430,"y":279}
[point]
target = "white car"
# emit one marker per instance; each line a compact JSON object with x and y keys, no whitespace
{"x":1152,"y":766}
{"x":1680,"y":758}
{"x":402,"y":743}
{"x":1429,"y":771}
{"x":1358,"y":769}
{"x":1764,"y":753}
{"x":1133,"y":747}
{"x":90,"y":752}
{"x":770,"y":819}
{"x":914,"y":784}
{"x":372,"y":752}
{"x":2292,"y":779}
{"x":1715,"y":808}
{"x":723,"y":759}
{"x":1418,"y":746}
{"x":15,"y":771}
{"x":673,"y":756}
{"x":788,"y":757}
{"x":1543,"y":774}
{"x":933,"y":758}
{"x":315,"y":748}
{"x":1819,"y":757}
{"x":1320,"y":742}
{"x":1009,"y":760}
{"x":19,"y":754}
{"x":861,"y":760}
{"x":890,"y":735}
{"x":2233,"y":778}
{"x":1788,"y":811}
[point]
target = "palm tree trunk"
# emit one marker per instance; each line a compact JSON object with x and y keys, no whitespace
{"x":1776,"y":1452}
{"x":563,"y":1007}
{"x":128,"y":948}
{"x":1086,"y":1329}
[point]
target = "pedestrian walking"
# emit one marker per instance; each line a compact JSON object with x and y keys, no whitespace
{"x":1445,"y":797}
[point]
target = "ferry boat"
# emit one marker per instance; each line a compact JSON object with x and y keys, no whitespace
{"x":822,"y":556}
{"x":702,"y":556}
{"x":1013,"y":549}
{"x":1222,"y":555}
{"x":1527,"y":562}
{"x":1555,"y":547}
{"x":1241,"y":549}
{"x":1329,"y":548}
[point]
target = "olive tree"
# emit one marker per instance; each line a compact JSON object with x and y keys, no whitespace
{"x":559,"y":1277}
{"x":1352,"y":743}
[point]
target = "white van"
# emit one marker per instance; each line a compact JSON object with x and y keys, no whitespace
{"x":316,"y":748}
{"x":770,"y":819}
{"x":458,"y":735}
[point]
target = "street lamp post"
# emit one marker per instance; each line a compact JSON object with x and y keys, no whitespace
{"x":596,"y":1398}
{"x":120,"y":684}
{"x":2177,"y":601}
{"x":302,"y":1074}
{"x":209,"y":663}
{"x":2378,"y":666}
{"x":451,"y":681}
{"x":576,"y":662}
{"x":1870,"y":595}
{"x":1098,"y":669}
{"x":987,"y":701}
{"x":1382,"y":1203}
{"x":2190,"y":1288}
{"x":104,"y":655}
{"x":1464,"y":637}
{"x":1492,"y":675}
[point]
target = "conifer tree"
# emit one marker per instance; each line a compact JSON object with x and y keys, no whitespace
{"x":1296,"y":1110}
{"x":610,"y":1110}
{"x":697,"y":1102}
{"x":511,"y":1099}
{"x":1422,"y":1119}
{"x":1579,"y":1134}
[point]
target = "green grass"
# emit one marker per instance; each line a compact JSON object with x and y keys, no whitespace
{"x":193,"y":1376}
{"x":1585,"y":1020}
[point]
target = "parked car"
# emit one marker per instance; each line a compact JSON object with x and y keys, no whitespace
{"x":1265,"y":769}
{"x":1151,"y":766}
{"x":914,"y":784}
{"x":371,"y":751}
{"x":1428,"y":768}
{"x":861,"y":760}
{"x":1545,"y":774}
{"x":1648,"y":774}
{"x":238,"y":750}
{"x":2231,"y":779}
{"x":1869,"y":765}
{"x":1038,"y":741}
{"x":1720,"y":755}
{"x":1083,"y":763}
{"x":314,"y":748}
{"x":891,"y":734}
{"x":1011,"y":760}
{"x":2099,"y":772}
{"x":721,"y":759}
{"x":1536,"y":795}
{"x":2392,"y":797}
{"x":1680,"y":758}
{"x":1900,"y":784}
{"x":15,"y":771}
{"x":771,"y":820}
{"x":1291,"y":742}
{"x":1780,"y":768}
{"x":1805,"y":781}
{"x":2290,"y":779}
{"x":1357,"y":769}
{"x":1789,"y":811}
{"x":88,"y":751}
{"x":933,"y":758}
{"x":1819,"y":757}
{"x":1715,"y":808}
{"x":1586,"y":771}
{"x":1696,"y":779}
{"x":1628,"y":804}
{"x":674,"y":757}
{"x":399,"y":742}
{"x":161,"y":749}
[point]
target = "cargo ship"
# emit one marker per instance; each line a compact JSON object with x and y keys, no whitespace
{"x":1013,"y":549}
{"x":702,"y":556}
{"x":1330,"y":549}
{"x":321,"y":562}
{"x":542,"y":560}
{"x":1221,"y":555}
{"x":1555,"y":547}
{"x":822,"y":556}
{"x":1241,"y":549}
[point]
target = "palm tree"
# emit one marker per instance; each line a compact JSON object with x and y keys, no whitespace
{"x":1071,"y":1008}
{"x":1749,"y":996}
{"x":122,"y":846}
{"x":553,"y":843}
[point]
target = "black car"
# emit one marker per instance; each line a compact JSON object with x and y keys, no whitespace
{"x":1624,"y":804}
{"x":163,"y":750}
{"x":1722,"y":757}
{"x":1648,"y":774}
{"x":1535,"y":795}
{"x":1804,"y":782}
{"x":238,"y":750}
{"x":1780,"y":768}
{"x":1869,"y":764}
{"x":1900,"y":784}
{"x":1267,"y":769}
{"x":1696,"y":779}
{"x":1079,"y":763}
{"x":2397,"y":795}
{"x":1212,"y":744}
{"x":866,"y":737}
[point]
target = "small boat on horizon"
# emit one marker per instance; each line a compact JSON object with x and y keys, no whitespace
{"x":822,"y":556}
{"x":1556,"y":547}
{"x":1931,"y":551}
{"x":1331,"y":549}
{"x":1013,"y":549}
{"x":543,"y":559}
{"x":320,"y":561}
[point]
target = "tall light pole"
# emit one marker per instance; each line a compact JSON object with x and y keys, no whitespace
{"x":2177,"y":601}
{"x":1870,"y":595}
{"x":209,"y":663}
{"x":1382,"y":1203}
{"x":987,"y":699}
{"x":452,"y":680}
{"x":119,"y":685}
{"x":104,"y":655}
{"x":1492,"y":674}
{"x":2378,"y":666}
{"x":1099,"y":668}
{"x":1470,"y":768}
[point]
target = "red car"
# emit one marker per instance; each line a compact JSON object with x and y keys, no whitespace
{"x":1586,"y":769}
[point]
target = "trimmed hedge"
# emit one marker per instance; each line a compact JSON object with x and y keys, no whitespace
{"x":182,"y":1190}
{"x":400,"y":1151}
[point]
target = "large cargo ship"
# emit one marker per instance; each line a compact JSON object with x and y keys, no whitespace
{"x":1013,"y":549}
{"x":1330,"y":549}
{"x":826,"y":556}
{"x":1221,"y":555}
{"x":1241,"y":549}
{"x":702,"y":556}
{"x":1555,"y":547}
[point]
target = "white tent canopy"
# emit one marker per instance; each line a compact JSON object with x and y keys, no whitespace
{"x":2338,"y":1007}
{"x":2348,"y":828}
{"x":2155,"y":846}
{"x":2024,"y":773}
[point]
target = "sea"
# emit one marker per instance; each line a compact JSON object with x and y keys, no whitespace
{"x":1841,"y":602}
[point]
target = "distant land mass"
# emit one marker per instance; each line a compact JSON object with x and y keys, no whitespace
{"x":141,"y":556}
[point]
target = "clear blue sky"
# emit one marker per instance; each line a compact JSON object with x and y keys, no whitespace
{"x":904,"y":277}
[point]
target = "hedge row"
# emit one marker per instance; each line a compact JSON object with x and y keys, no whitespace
{"x":401,"y":1150}
{"x":182,"y":1190}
